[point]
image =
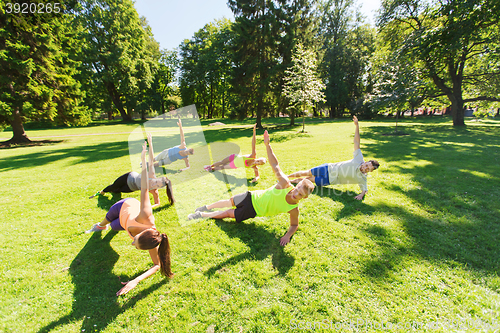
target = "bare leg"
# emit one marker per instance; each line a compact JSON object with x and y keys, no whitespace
{"x":219,"y":214}
{"x":104,"y":222}
{"x":220,"y":165}
{"x":298,"y":180}
{"x":304,"y":173}
{"x":221,"y":204}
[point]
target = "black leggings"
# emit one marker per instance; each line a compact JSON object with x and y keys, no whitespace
{"x":120,"y":185}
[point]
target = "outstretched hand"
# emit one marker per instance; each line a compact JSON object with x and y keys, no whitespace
{"x":179,"y":122}
{"x":128,"y":286}
{"x":266,"y":137}
{"x":150,"y":139}
{"x":355,"y":119}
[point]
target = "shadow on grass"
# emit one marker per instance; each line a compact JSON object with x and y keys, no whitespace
{"x":94,"y":295}
{"x":261,"y":242}
{"x":83,"y":154}
{"x":455,"y":190}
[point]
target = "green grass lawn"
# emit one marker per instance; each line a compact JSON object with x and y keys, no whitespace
{"x":423,"y":248}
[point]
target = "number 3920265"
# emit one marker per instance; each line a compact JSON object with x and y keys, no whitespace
{"x":32,"y":8}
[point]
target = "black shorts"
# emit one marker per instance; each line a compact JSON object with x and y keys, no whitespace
{"x":244,"y":208}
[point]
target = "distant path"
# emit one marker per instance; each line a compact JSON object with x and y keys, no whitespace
{"x":70,"y":135}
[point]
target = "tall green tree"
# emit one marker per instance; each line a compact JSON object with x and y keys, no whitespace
{"x":348,"y":46}
{"x":119,"y":51}
{"x":205,"y":68}
{"x":37,"y":70}
{"x":448,"y":38}
{"x":302,"y":86}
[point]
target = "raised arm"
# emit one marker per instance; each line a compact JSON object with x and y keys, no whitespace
{"x":146,"y":210}
{"x":183,"y":142}
{"x":151,"y":157}
{"x":356,"y":133}
{"x":254,"y":141}
{"x":283,"y":181}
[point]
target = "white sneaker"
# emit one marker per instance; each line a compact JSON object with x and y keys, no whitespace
{"x":96,"y":227}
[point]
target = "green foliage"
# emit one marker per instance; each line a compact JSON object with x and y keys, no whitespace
{"x":38,"y":69}
{"x":348,"y":46}
{"x":455,"y":42}
{"x":302,"y":87}
{"x":205,"y":69}
{"x":120,"y":55}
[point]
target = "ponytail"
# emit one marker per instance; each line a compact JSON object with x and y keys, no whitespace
{"x":151,"y":238}
{"x":170,"y":193}
{"x":164,"y":254}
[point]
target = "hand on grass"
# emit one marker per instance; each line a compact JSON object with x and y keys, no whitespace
{"x":128,"y":286}
{"x":284,"y":240}
{"x":359,"y":196}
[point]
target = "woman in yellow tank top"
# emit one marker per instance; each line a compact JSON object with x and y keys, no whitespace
{"x":239,"y":161}
{"x":136,"y":218}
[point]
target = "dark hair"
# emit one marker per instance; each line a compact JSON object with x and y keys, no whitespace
{"x":170,"y":193}
{"x":151,"y":238}
{"x":375,"y":164}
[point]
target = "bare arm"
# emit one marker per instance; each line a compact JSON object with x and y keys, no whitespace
{"x":256,"y":172}
{"x":186,"y":160}
{"x":156,"y":198}
{"x":254,"y":141}
{"x":151,"y":157}
{"x":294,"y":225}
{"x":146,"y":210}
{"x":131,"y":284}
{"x":183,"y":142}
{"x":357,"y":139}
{"x":283,"y":181}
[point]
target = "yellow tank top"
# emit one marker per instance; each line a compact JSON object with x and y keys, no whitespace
{"x":271,"y":201}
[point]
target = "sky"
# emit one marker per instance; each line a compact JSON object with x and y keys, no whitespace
{"x":172,"y":21}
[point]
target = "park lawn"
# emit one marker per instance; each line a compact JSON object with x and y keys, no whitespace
{"x":421,"y":249}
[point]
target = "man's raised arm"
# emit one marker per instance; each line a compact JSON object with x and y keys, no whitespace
{"x":283,"y":181}
{"x":357,"y":139}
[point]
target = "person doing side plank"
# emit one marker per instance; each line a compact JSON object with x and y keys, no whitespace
{"x":239,"y":161}
{"x":347,"y":172}
{"x":180,"y":152}
{"x":131,"y":182}
{"x":280,"y":198}
{"x":136,"y":218}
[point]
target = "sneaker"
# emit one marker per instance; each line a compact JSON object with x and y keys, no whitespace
{"x":194,"y":216}
{"x":202,"y":209}
{"x":96,"y":227}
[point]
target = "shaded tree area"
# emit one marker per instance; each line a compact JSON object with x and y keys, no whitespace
{"x":454,"y":43}
{"x":37,"y":71}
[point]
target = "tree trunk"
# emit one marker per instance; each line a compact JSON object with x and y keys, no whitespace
{"x":292,"y":117}
{"x":115,"y":97}
{"x":18,"y":133}
{"x":457,"y":111}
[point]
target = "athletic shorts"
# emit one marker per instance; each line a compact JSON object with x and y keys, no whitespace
{"x":321,"y":175}
{"x":113,"y":215}
{"x":244,"y":208}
